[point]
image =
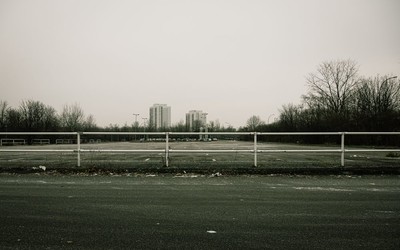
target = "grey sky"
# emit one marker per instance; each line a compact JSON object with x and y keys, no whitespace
{"x":229,"y":58}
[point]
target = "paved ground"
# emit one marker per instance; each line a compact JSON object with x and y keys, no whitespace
{"x":199,"y":212}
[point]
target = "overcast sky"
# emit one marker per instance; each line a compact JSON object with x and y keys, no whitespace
{"x":231,"y":59}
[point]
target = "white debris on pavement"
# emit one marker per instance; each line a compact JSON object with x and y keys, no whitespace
{"x":185,"y":176}
{"x":216,"y":174}
{"x":40,"y":167}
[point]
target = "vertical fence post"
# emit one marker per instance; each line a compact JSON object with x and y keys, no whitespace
{"x":78,"y":141}
{"x":166,"y":149}
{"x":255,"y":149}
{"x":342,"y":149}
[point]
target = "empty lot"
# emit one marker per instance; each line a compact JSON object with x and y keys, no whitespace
{"x":199,"y":212}
{"x":190,"y":160}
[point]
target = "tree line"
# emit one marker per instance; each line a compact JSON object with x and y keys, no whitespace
{"x":339,"y":99}
{"x":35,"y":116}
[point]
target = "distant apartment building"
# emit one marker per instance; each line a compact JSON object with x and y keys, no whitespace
{"x":195,"y":119}
{"x":160,"y":116}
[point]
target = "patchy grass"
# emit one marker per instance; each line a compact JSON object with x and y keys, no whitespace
{"x":192,"y":161}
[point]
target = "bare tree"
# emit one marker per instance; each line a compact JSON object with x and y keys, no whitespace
{"x":90,"y":123}
{"x":332,"y":86}
{"x":36,"y":116}
{"x":179,"y":127}
{"x":254,"y":122}
{"x":72,"y":117}
{"x":289,"y":117}
{"x":13,"y":120}
{"x":378,"y":102}
{"x":51,"y":120}
{"x":31,"y":112}
{"x":3,"y":115}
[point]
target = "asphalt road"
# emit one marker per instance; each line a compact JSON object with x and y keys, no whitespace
{"x":199,"y":212}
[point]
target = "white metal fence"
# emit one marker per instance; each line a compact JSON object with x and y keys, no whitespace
{"x":255,"y":151}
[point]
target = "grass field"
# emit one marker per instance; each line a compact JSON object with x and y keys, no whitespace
{"x":40,"y":211}
{"x":191,"y":160}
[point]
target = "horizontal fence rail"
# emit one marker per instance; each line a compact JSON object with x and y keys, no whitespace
{"x":166,"y":138}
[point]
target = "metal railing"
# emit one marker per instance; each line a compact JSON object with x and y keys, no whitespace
{"x":342,"y":150}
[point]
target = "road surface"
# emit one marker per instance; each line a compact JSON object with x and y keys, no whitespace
{"x":199,"y":212}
